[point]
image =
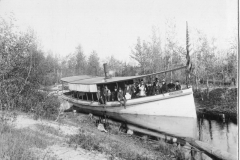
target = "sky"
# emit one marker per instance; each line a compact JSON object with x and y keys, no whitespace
{"x":111,"y":27}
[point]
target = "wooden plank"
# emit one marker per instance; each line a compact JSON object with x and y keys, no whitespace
{"x":206,"y":148}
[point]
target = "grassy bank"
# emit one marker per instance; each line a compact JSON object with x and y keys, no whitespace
{"x":18,"y":144}
{"x":23,"y":138}
{"x":120,"y":145}
{"x":217,"y":101}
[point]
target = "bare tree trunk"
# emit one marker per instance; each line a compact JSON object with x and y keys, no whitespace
{"x":196,"y":80}
{"x":171,"y":66}
{"x":207,"y":88}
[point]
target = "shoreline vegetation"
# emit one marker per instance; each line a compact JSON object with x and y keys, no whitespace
{"x":217,"y":101}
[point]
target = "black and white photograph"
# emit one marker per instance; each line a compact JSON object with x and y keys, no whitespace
{"x":119,"y":79}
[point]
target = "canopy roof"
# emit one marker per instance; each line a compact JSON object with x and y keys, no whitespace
{"x":74,"y":78}
{"x":89,"y":80}
{"x":102,"y":80}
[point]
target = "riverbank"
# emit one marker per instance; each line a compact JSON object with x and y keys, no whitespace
{"x":76,"y":137}
{"x":217,"y":101}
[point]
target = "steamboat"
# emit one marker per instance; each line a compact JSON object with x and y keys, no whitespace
{"x":171,"y":113}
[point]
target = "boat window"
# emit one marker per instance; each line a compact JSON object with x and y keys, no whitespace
{"x":136,"y":88}
{"x":82,"y":95}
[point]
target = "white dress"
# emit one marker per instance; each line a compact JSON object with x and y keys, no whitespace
{"x":128,"y":95}
{"x":142,"y":90}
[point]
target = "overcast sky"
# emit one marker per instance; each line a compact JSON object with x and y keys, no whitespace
{"x":111,"y":27}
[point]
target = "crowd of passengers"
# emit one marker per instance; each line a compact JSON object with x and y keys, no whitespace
{"x":135,"y":90}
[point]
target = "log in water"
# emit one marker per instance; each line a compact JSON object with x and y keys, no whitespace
{"x":219,"y":132}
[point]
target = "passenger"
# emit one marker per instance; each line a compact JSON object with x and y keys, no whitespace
{"x":100,"y":96}
{"x":114,"y":94}
{"x":137,"y":90}
{"x":149,"y":88}
{"x":142,"y":89}
{"x":120,"y":96}
{"x":127,"y":92}
{"x":133,"y":90}
{"x":104,"y":95}
{"x":178,"y":86}
{"x":156,"y":87}
{"x":108,"y":94}
{"x":164,"y":88}
{"x":171,"y":86}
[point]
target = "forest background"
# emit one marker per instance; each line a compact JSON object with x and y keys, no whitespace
{"x":25,"y":67}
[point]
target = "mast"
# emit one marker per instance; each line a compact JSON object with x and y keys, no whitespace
{"x":189,"y":64}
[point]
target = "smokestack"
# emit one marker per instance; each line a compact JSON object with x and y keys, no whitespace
{"x":105,"y":70}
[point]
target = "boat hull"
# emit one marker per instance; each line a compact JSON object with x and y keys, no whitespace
{"x":172,"y":113}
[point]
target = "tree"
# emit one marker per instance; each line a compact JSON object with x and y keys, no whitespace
{"x":50,"y":67}
{"x":71,"y":65}
{"x":140,"y":55}
{"x":171,"y":46}
{"x":114,"y":65}
{"x":232,"y":57}
{"x":93,"y":64}
{"x":80,"y":61}
{"x":156,"y":55}
{"x":18,"y":52}
{"x":128,"y":70}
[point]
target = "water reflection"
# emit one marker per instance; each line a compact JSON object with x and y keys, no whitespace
{"x":221,"y":134}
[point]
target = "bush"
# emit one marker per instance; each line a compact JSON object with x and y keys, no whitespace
{"x":39,"y":103}
{"x":220,"y":100}
{"x":86,"y":142}
{"x":48,"y":108}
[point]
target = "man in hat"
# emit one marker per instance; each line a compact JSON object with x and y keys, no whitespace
{"x":107,"y":94}
{"x":156,"y":87}
{"x":120,"y":96}
{"x":100,"y":96}
{"x":114,"y":94}
{"x":164,"y":88}
{"x":178,"y":86}
{"x":135,"y":90}
{"x":171,"y":86}
{"x":149,"y":88}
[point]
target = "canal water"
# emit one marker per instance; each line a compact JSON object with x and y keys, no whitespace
{"x":218,"y":131}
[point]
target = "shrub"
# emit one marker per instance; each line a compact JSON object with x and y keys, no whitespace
{"x":86,"y":142}
{"x":48,"y":108}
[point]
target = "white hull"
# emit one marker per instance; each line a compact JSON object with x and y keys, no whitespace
{"x":177,"y":106}
{"x":179,"y":103}
{"x":173,"y":113}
